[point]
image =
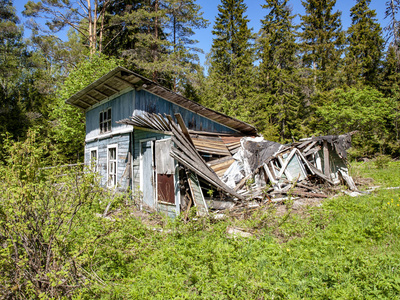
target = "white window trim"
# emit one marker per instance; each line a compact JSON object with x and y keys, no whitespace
{"x":97,"y":157}
{"x":108,"y":165}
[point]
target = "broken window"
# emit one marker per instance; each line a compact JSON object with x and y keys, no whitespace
{"x":105,"y":121}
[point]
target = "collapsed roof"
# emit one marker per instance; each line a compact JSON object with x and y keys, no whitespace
{"x":247,"y":167}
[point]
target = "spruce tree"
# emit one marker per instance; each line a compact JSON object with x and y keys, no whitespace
{"x":279,"y":102}
{"x":365,"y":45}
{"x":322,"y":42}
{"x":184,"y":17}
{"x":13,"y":59}
{"x":231,"y":61}
{"x":391,"y":78}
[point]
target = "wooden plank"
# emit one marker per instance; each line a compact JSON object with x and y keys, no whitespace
{"x":197,"y":195}
{"x":219,"y":160}
{"x":101,"y":93}
{"x":92,"y":98}
{"x":111,"y":88}
{"x":309,"y":146}
{"x":327,"y":170}
{"x":307,"y":194}
{"x":183,"y":127}
{"x":269,"y":174}
{"x":125,"y":81}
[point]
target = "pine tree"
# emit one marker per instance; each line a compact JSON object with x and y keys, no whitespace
{"x":278,"y":72}
{"x":155,"y":38}
{"x":231,"y":61}
{"x":322,"y":42}
{"x":365,"y":45}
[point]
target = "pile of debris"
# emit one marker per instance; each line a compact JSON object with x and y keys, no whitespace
{"x":222,"y":171}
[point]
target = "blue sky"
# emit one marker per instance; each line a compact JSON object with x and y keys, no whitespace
{"x":254,"y":13}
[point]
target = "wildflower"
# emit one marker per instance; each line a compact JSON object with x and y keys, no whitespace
{"x":288,"y":250}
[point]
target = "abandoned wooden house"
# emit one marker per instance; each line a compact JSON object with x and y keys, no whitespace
{"x":137,"y":154}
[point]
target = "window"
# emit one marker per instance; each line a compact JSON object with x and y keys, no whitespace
{"x":93,"y":159}
{"x":112,"y":166}
{"x":105,"y":120}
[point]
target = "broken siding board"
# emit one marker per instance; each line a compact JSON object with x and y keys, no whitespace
{"x":327,"y":171}
{"x":309,"y":146}
{"x":197,"y":194}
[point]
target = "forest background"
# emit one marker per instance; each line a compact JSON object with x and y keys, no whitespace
{"x":299,"y":75}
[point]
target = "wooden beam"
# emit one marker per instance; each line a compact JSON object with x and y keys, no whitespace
{"x":101,"y":93}
{"x":125,"y":81}
{"x":87,"y":104}
{"x":111,"y":88}
{"x":92,"y":98}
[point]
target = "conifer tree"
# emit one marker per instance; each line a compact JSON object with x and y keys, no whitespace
{"x":322,"y":42}
{"x":155,"y":38}
{"x":231,"y":61}
{"x":13,"y":59}
{"x":393,"y":28}
{"x":365,"y":45}
{"x":278,"y":82}
{"x":391,"y":78}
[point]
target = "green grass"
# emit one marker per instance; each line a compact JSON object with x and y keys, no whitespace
{"x":388,"y":176}
{"x":346,"y":249}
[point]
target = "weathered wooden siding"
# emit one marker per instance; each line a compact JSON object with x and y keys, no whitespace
{"x":145,"y":101}
{"x":121,"y":107}
{"x":123,"y":142}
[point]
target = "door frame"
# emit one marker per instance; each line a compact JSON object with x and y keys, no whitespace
{"x":154,"y":183}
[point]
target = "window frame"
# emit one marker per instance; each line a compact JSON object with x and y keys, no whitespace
{"x":114,"y":175}
{"x":105,"y":120}
{"x":94,"y":164}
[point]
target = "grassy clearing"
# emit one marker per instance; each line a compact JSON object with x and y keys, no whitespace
{"x":346,"y":249}
{"x":387,"y":175}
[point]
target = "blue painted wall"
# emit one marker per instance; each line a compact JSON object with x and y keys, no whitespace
{"x":148,"y":102}
{"x":122,"y":107}
{"x":123,"y":142}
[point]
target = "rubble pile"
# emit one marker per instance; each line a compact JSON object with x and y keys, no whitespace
{"x":224,"y":171}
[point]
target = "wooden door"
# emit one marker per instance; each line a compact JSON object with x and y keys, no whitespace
{"x":147,"y":173}
{"x":165,"y":167}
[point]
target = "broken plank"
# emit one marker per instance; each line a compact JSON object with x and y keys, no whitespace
{"x":197,"y":194}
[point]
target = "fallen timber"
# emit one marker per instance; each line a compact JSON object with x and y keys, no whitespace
{"x":237,"y":169}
